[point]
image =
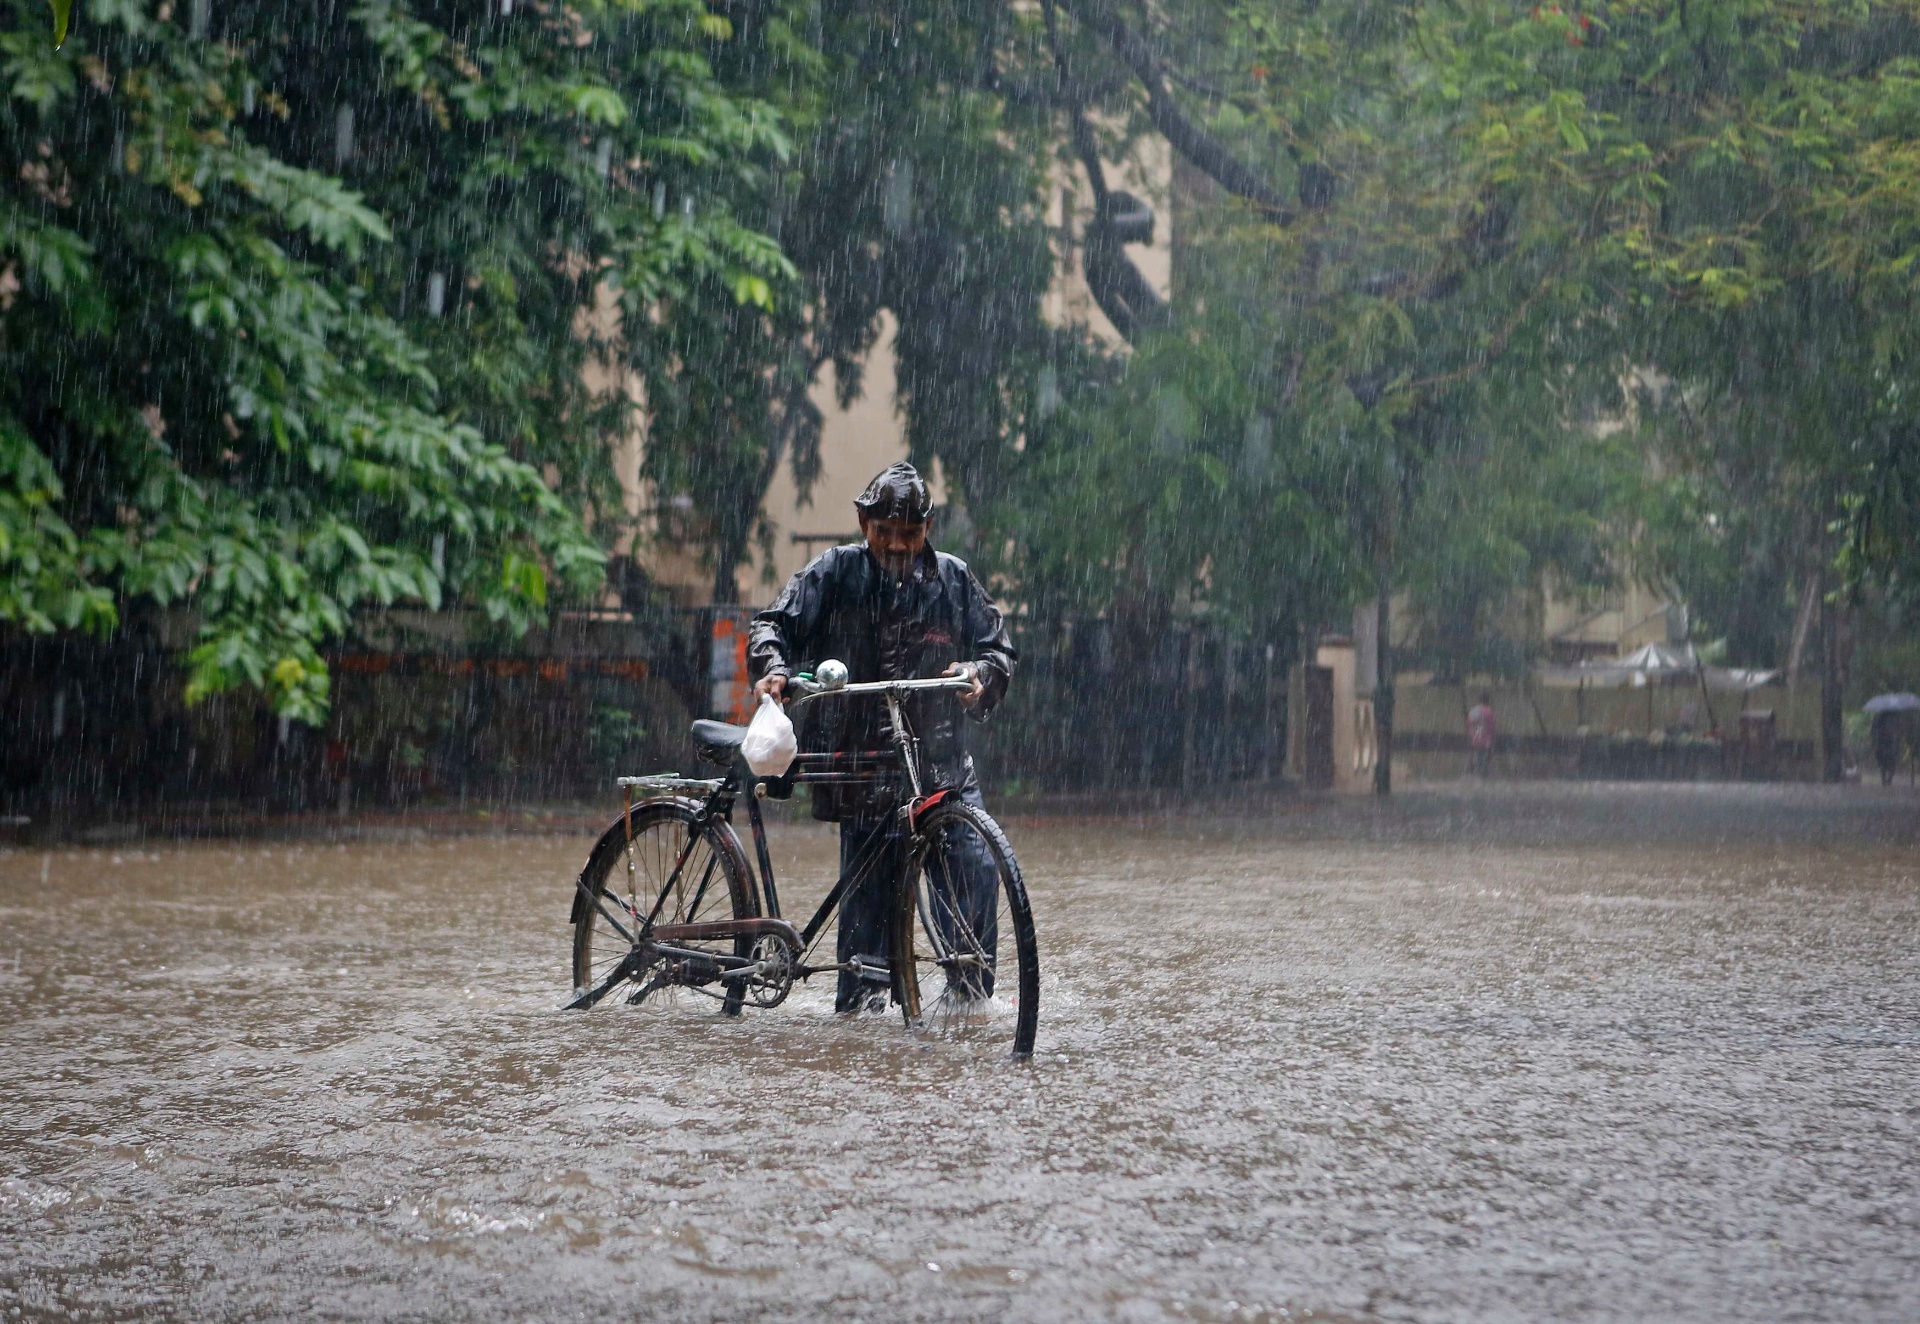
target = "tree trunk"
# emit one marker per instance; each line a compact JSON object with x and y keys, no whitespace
{"x":726,"y":565}
{"x":793,"y":428}
{"x":1267,"y":730}
{"x":1802,"y":624}
{"x":1832,"y":721}
{"x":1190,"y":700}
{"x":1383,"y":696}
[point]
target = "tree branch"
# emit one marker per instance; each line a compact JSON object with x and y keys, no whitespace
{"x":1205,"y":152}
{"x":1124,"y":295}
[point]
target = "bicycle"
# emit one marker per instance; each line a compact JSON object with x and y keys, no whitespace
{"x":691,"y":916}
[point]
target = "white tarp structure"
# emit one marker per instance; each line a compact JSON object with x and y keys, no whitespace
{"x":1656,"y":664}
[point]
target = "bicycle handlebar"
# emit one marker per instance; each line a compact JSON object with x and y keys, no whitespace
{"x":808,"y":690}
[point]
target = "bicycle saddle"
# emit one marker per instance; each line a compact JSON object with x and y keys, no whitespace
{"x":718,"y":740}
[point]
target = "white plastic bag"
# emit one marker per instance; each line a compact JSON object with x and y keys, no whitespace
{"x":770,"y":747}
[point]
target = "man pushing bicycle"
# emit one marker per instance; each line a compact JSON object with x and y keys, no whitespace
{"x":892,"y":608}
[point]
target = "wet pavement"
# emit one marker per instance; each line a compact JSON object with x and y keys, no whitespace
{"x":1511,"y":1053}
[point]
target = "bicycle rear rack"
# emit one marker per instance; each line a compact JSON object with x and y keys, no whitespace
{"x":667,"y":782}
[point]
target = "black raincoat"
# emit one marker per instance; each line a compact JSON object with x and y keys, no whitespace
{"x":844,"y":606}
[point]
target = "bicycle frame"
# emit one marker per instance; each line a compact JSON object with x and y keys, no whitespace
{"x":653,"y":939}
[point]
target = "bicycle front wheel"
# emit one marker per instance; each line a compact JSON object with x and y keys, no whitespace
{"x":966,"y":966}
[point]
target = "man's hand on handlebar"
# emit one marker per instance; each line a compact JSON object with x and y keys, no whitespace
{"x":971,"y":670}
{"x":774,"y":684}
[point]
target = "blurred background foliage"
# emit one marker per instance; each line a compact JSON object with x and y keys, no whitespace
{"x":295,"y":304}
{"x":1469,"y":298}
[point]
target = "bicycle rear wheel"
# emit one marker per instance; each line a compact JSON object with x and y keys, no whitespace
{"x":714,"y":884}
{"x":965,"y":963}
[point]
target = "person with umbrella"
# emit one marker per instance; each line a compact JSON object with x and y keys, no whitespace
{"x":1886,"y":710}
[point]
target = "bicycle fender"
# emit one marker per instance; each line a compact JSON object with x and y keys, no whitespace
{"x":920,"y":809}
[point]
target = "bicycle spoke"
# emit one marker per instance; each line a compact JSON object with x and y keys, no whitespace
{"x":614,"y":923}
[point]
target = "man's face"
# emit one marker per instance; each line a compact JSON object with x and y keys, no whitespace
{"x":894,"y":543}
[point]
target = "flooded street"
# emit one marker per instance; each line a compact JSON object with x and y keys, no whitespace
{"x":1513,"y":1053}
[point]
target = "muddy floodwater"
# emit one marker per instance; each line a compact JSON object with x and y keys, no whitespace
{"x":1504,"y":1054}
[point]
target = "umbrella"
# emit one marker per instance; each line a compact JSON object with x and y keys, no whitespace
{"x":1893,"y":703}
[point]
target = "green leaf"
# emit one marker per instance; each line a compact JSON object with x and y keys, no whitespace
{"x":598,"y":104}
{"x":524,"y":578}
{"x":749,"y":288}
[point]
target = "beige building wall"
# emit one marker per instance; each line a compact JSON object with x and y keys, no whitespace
{"x":858,"y":442}
{"x":1347,"y":772}
{"x":1625,"y":619}
{"x":855,"y":444}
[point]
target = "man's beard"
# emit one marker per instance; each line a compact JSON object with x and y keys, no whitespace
{"x":898,"y":565}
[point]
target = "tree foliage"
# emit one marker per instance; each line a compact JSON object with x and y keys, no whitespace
{"x":298,"y":318}
{"x":290,"y":312}
{"x":1441,"y":253}
{"x":1382,"y":348}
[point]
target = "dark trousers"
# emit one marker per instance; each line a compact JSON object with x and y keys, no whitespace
{"x":965,"y":903}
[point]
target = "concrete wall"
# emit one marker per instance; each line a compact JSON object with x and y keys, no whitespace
{"x":1351,"y":772}
{"x":1540,"y":726}
{"x":1526,"y":709}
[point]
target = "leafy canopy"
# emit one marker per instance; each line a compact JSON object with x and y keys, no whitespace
{"x":291,"y":314}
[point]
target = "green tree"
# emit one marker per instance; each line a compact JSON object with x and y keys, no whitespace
{"x":1384,"y":318}
{"x":294,"y":317}
{"x":1772,"y":290}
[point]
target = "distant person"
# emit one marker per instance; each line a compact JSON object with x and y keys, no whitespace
{"x":1886,"y":744}
{"x":1482,"y":727}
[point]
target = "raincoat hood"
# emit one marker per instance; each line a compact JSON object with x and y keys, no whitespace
{"x":896,"y":492}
